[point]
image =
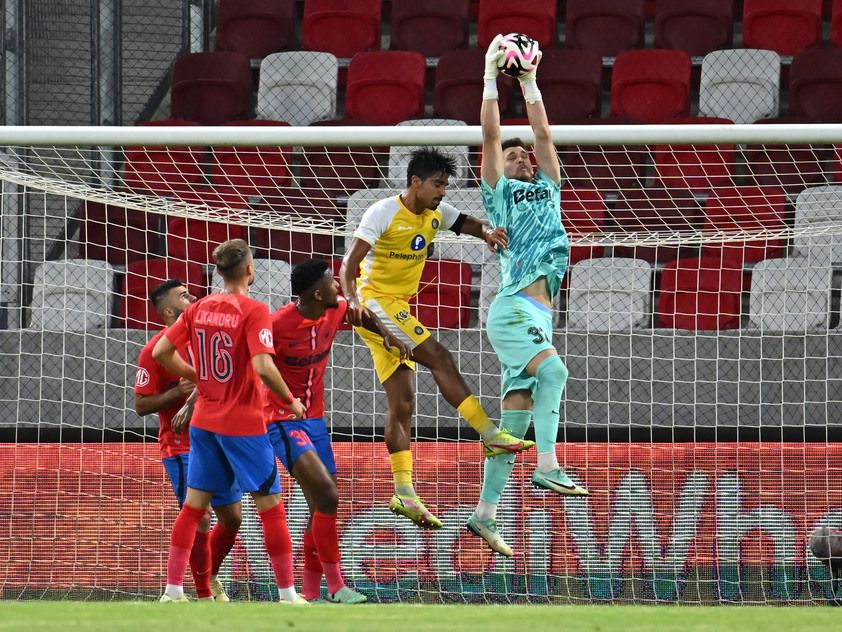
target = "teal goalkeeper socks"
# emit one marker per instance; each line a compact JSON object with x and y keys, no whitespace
{"x":497,"y":470}
{"x":551,"y":376}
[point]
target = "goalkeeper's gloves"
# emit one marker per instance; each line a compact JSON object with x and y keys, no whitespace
{"x":492,"y":58}
{"x":529,"y":83}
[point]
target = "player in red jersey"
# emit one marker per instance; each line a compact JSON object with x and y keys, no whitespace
{"x":230,"y":337}
{"x":158,"y":391}
{"x":303,"y":332}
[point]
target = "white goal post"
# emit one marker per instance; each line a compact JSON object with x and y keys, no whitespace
{"x":699,"y":321}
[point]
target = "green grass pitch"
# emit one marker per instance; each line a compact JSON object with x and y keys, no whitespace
{"x":35,"y":616}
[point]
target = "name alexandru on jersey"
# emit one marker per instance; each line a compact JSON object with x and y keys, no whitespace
{"x":215,"y":319}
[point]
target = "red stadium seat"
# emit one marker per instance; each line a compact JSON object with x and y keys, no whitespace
{"x":836,"y":23}
{"x":295,"y":247}
{"x":655,"y":210}
{"x":255,"y":28}
{"x":458,"y":89}
{"x":195,"y":239}
{"x":695,"y":27}
{"x":606,"y":27}
{"x":791,"y":167}
{"x":582,"y":212}
{"x":732,"y":209}
{"x":700,"y":294}
{"x":784,"y":26}
{"x":604,"y":168}
{"x":699,"y":168}
{"x":385,"y":87}
{"x":429,"y":27}
{"x":116,"y":234}
{"x":536,"y":18}
{"x":444,"y":295}
{"x":253,"y":171}
{"x":651,"y":86}
{"x":143,"y":276}
{"x":815,"y":85}
{"x":339,"y":171}
{"x":341,"y":27}
{"x":211,"y":88}
{"x":571,"y":85}
{"x":164,"y":171}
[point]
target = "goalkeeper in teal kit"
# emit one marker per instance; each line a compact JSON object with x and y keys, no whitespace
{"x":519,"y":323}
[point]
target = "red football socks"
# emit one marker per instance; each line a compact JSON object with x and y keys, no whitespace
{"x":326,"y":538}
{"x":312,"y":581}
{"x":278,"y":544}
{"x":183,"y":534}
{"x":200,"y":564}
{"x":221,"y":542}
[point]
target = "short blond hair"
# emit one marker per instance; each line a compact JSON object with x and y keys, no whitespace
{"x":231,"y":258}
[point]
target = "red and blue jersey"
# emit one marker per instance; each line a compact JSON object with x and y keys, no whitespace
{"x":302,"y":348}
{"x":153,"y":379}
{"x":224,"y":332}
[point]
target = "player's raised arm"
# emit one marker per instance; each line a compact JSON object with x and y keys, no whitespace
{"x":545,"y":153}
{"x":492,"y":154}
{"x":166,"y":354}
{"x":494,"y":237}
{"x":348,"y":279}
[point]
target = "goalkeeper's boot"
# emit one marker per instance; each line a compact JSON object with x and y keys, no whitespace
{"x":347,"y":596}
{"x":557,"y":481}
{"x":218,"y":591}
{"x":487,"y":530}
{"x":414,"y":509}
{"x":504,"y":443}
{"x":165,"y":598}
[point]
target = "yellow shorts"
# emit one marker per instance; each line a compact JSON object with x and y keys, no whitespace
{"x":396,"y":317}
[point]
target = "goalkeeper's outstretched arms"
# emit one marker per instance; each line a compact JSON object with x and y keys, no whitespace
{"x":492,"y":152}
{"x":545,"y":153}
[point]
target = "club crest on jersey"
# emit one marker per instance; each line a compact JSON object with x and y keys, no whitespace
{"x":265,"y":337}
{"x":142,"y":377}
{"x":533,"y":195}
{"x":435,"y":223}
{"x":418,"y":242}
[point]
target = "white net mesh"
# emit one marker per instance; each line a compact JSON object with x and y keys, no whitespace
{"x":698,"y":321}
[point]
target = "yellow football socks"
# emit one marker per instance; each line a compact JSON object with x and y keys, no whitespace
{"x":474,"y":414}
{"x":402,"y":472}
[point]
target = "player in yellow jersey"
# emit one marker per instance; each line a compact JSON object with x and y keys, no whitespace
{"x":390,"y":249}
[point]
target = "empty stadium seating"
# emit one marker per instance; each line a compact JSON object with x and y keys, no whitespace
{"x":429,"y":27}
{"x":458,"y":87}
{"x":571,"y":85}
{"x":610,"y":294}
{"x":606,"y":27}
{"x":817,"y":208}
{"x":698,"y":168}
{"x":582,"y":212}
{"x":815,"y":85}
{"x":536,"y":18}
{"x":117,"y":234}
{"x":211,"y":88}
{"x":143,"y":276}
{"x":399,"y":156}
{"x":298,"y":87}
{"x":253,"y":171}
{"x":700,"y":294}
{"x":742,"y":85}
{"x":603,"y":167}
{"x":791,"y":294}
{"x":255,"y":28}
{"x":340,"y":27}
{"x":651,"y":86}
{"x":272,"y":283}
{"x":784,"y":26}
{"x":166,"y":170}
{"x":71,"y":295}
{"x":692,"y":26}
{"x":385,"y":87}
{"x":195,"y":239}
{"x":444,"y":295}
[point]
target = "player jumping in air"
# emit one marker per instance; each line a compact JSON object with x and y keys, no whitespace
{"x":519,"y":321}
{"x":158,"y":391}
{"x":303,"y":333}
{"x":230,"y":336}
{"x":390,"y":249}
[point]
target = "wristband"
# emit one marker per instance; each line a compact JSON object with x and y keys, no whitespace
{"x":530,"y":90}
{"x":489,"y":90}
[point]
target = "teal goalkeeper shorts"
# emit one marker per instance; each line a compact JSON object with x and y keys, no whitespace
{"x":519,"y":328}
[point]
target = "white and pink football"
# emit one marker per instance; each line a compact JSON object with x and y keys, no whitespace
{"x":521,"y":54}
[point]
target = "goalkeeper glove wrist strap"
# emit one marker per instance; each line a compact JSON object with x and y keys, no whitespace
{"x":530,"y":90}
{"x":489,"y":90}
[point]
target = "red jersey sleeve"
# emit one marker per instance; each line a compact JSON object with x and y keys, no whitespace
{"x":258,"y":331}
{"x":177,"y":333}
{"x":148,"y":380}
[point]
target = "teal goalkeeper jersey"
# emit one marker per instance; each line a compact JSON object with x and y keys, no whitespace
{"x":538,"y":243}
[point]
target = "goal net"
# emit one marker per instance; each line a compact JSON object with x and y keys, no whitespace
{"x":699,"y":322}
